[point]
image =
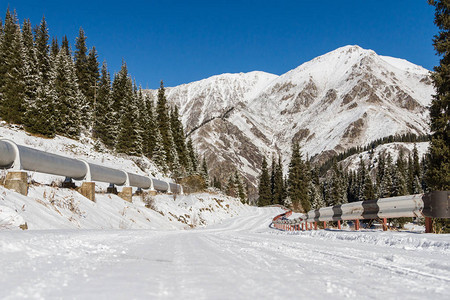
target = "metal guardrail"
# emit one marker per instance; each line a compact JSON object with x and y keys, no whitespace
{"x":435,"y":204}
{"x":17,"y":157}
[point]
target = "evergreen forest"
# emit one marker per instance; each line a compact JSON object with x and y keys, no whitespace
{"x":51,"y":89}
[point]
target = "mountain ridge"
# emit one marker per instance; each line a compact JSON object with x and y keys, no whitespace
{"x":344,"y":98}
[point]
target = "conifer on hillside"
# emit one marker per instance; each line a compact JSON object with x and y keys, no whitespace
{"x":54,"y":48}
{"x":68,"y":98}
{"x":103,"y":115}
{"x":12,"y":71}
{"x":204,"y":171}
{"x":30,"y":63}
{"x":264,"y":185}
{"x":240,"y":188}
{"x":129,"y":139}
{"x":163,"y":123}
{"x":438,"y":167}
{"x":178,"y":137}
{"x":298,"y":181}
{"x":438,"y":174}
{"x":193,"y":162}
{"x":149,"y":129}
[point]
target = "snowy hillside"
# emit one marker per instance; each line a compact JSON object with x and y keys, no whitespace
{"x":370,"y":159}
{"x":50,"y":207}
{"x":345,"y":98}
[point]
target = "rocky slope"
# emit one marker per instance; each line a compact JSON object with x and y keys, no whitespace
{"x":344,"y":98}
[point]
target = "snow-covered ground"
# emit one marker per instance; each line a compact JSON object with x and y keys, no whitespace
{"x":237,"y":258}
{"x":48,"y":207}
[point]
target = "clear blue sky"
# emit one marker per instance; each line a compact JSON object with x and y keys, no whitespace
{"x":184,"y":41}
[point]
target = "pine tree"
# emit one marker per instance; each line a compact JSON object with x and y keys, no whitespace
{"x":149,"y":134}
{"x":12,"y":71}
{"x":129,"y":139}
{"x":93,"y":77}
{"x":192,"y":156}
{"x":388,"y":179}
{"x":30,"y":63}
{"x":54,"y":48}
{"x":163,"y":122}
{"x":84,"y":78}
{"x":298,"y":181}
{"x":42,"y":52}
{"x":380,"y":174}
{"x":204,"y":172}
{"x":231,"y":189}
{"x":40,"y":116}
{"x":399,"y":178}
{"x":120,"y":95}
{"x":314,"y":191}
{"x":337,"y":186}
{"x":279,"y":188}
{"x":369,"y":191}
{"x":65,"y":46}
{"x":264,"y":185}
{"x":68,"y":97}
{"x":81,"y":62}
{"x":438,"y":173}
{"x":103,"y":114}
{"x":178,"y":137}
{"x":159,"y":153}
{"x":240,"y":188}
{"x":272,"y":180}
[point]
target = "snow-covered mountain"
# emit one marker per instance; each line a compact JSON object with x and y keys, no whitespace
{"x":345,"y":98}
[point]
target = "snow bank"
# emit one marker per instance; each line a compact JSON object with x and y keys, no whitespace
{"x":401,"y":240}
{"x":48,"y":207}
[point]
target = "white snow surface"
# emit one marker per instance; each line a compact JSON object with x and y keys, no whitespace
{"x":238,"y":258}
{"x":48,"y":207}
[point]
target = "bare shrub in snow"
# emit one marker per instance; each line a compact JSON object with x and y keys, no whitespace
{"x":2,"y":177}
{"x":149,"y":201}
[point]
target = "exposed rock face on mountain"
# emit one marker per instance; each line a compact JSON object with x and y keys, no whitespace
{"x":345,"y":98}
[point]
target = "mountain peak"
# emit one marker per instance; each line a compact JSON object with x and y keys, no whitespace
{"x":345,"y":98}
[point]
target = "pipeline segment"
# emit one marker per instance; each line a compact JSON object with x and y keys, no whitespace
{"x":30,"y":159}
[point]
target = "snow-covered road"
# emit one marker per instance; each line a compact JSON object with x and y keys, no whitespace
{"x":239,"y":259}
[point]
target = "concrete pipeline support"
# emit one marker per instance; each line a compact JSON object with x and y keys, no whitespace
{"x":20,"y":158}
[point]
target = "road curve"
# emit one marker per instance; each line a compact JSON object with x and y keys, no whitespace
{"x":241,"y":258}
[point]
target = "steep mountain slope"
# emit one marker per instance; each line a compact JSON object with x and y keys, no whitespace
{"x":345,"y":98}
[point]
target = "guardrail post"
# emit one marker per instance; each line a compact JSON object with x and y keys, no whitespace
{"x":339,"y":224}
{"x":384,"y":224}
{"x":356,"y":224}
{"x":428,"y":225}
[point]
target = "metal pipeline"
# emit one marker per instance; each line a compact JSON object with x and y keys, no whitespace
{"x":25,"y":158}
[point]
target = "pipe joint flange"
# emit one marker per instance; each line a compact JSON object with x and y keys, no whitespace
{"x":17,"y":165}
{"x":87,"y":177}
{"x":127,"y":181}
{"x":152,"y":186}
